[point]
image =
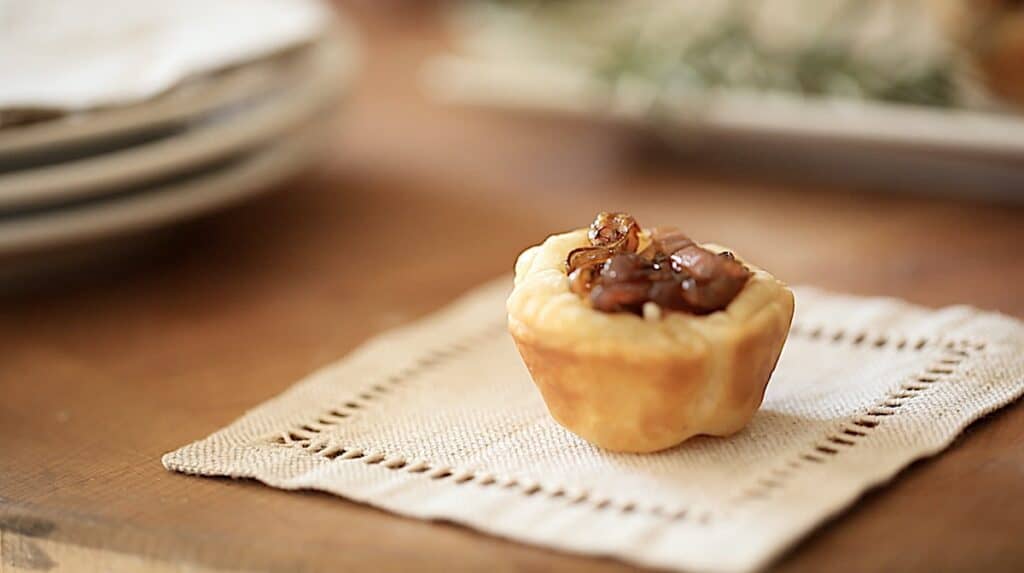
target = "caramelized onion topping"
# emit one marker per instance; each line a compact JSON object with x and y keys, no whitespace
{"x":587,"y":257}
{"x":616,"y":231}
{"x":673,"y":271}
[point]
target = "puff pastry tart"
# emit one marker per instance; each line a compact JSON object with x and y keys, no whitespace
{"x":640,"y":339}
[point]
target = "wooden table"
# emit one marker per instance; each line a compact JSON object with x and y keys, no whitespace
{"x":414,"y":204}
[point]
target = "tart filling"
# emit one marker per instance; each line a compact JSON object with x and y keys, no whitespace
{"x":614,"y":274}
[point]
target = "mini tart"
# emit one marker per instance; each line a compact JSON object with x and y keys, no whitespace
{"x":632,"y":384}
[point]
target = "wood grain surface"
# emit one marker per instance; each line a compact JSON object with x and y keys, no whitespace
{"x":103,"y":371}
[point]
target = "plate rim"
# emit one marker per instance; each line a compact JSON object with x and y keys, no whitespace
{"x":469,"y":80}
{"x":220,"y":91}
{"x":331,"y":67}
{"x":255,"y":173}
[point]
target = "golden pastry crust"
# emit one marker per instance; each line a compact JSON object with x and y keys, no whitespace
{"x":630,"y":384}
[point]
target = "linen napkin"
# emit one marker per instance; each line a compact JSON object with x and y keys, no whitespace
{"x":439,"y":420}
{"x":60,"y":55}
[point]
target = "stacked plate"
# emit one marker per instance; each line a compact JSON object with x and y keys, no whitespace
{"x":80,"y":165}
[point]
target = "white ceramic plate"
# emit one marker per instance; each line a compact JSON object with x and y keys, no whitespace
{"x":329,"y":64}
{"x":145,"y":209}
{"x":567,"y":90}
{"x":190,"y":100}
{"x":877,"y":145}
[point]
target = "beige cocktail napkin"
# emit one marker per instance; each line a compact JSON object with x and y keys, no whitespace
{"x":440,"y":420}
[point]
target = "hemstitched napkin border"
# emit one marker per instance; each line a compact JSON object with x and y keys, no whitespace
{"x":974,"y":366}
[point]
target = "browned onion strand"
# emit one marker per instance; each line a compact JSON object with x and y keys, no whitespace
{"x":668,"y":240}
{"x":673,"y":271}
{"x":587,"y":256}
{"x":618,"y":232}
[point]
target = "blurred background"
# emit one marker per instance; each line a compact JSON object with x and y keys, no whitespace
{"x":871,"y":146}
{"x":202,"y":201}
